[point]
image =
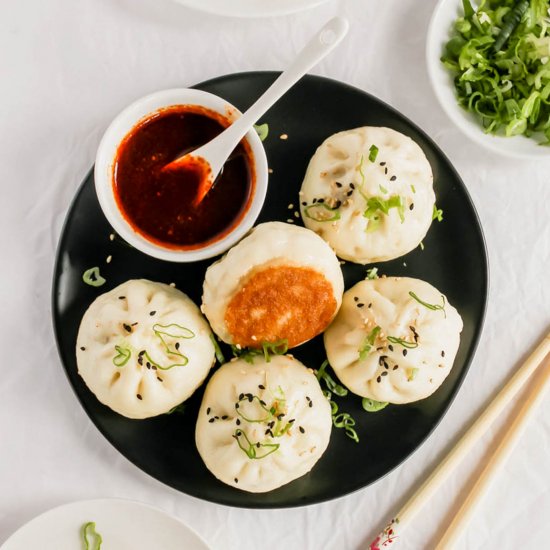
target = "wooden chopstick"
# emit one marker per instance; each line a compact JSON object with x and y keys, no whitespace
{"x":498,"y":458}
{"x":393,"y":530}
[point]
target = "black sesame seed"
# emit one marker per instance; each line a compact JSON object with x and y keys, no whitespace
{"x":370,"y":305}
{"x":321,"y":201}
{"x":151,"y":313}
{"x":386,"y":366}
{"x":411,"y":207}
{"x":379,"y":379}
{"x":236,"y":480}
{"x":154,"y":368}
{"x":211,"y":420}
{"x":302,"y":430}
{"x":314,"y":201}
{"x":304,"y":203}
{"x":337,"y":204}
{"x":442,"y":353}
{"x":250,"y":397}
{"x":360,"y":305}
{"x":261,"y":386}
{"x":239,"y":432}
{"x":236,"y":405}
{"x":308,"y":398}
{"x":385,"y":170}
{"x":384,"y":373}
{"x":140,"y":360}
{"x":262,"y":402}
{"x":139,"y":396}
{"x":225,"y":417}
{"x":208,"y":410}
{"x":349,"y":193}
{"x":379,"y":348}
{"x":280,"y":416}
{"x":159,"y":379}
{"x":383,"y":163}
{"x":127,"y":328}
{"x":390,"y":347}
{"x":310,"y":404}
{"x":356,"y":298}
{"x":395,"y":367}
{"x":134,"y":324}
{"x":83,"y":348}
{"x":141,"y":353}
{"x":351,"y":186}
{"x":393,"y":178}
{"x":148,"y":365}
{"x":122,"y":297}
{"x":216,"y":418}
{"x":338,"y":184}
{"x":271,"y":424}
{"x":241,"y":396}
{"x":292,"y":420}
{"x":177,"y":346}
{"x":258,"y":445}
{"x":404,"y":352}
{"x":238,"y":422}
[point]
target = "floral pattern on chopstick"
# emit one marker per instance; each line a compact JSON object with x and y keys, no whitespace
{"x":388,"y":535}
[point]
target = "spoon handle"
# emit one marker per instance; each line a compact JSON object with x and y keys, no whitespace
{"x":316,"y":49}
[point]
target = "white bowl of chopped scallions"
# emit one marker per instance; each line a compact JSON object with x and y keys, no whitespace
{"x":489,"y":63}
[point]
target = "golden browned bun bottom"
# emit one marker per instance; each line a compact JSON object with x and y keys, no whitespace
{"x":282,"y":302}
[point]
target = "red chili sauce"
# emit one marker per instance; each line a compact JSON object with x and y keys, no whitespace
{"x":159,"y":204}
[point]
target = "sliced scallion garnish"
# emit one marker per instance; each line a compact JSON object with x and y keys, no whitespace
{"x":368,"y":343}
{"x":378,"y":205}
{"x":280,"y":347}
{"x":332,"y":386}
{"x":412,"y":374}
{"x":402,"y":342}
{"x":370,"y":405}
{"x":92,"y":277}
{"x":372,"y":273}
{"x":217,"y":350}
{"x":89,"y":532}
{"x":321,"y":212}
{"x":262,"y":130}
{"x":122,"y":357}
{"x":437,"y":214}
{"x":373,"y":153}
{"x":433,"y":307}
{"x":251,"y":449}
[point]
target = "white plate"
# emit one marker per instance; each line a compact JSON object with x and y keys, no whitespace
{"x":251,"y":8}
{"x":439,"y":33}
{"x":123,"y":525}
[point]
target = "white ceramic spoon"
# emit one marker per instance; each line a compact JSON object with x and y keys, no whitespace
{"x":215,"y":153}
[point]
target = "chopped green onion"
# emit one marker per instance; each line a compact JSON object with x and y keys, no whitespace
{"x":170,"y":331}
{"x":173,"y":331}
{"x":413,"y":188}
{"x":368,"y":343}
{"x":122,"y":357}
{"x":437,"y":214}
{"x":401,"y":342}
{"x":92,"y":277}
{"x":217,"y":350}
{"x":262,"y":130}
{"x":88,"y":530}
{"x":370,"y":405}
{"x":375,"y":205}
{"x":321,"y":212}
{"x":433,"y":307}
{"x":372,"y":273}
{"x":412,"y":374}
{"x":330,"y":382}
{"x":280,"y":347}
{"x":498,"y":58}
{"x":383,"y":189}
{"x":373,"y":153}
{"x":252,"y":449}
{"x":422,"y":245}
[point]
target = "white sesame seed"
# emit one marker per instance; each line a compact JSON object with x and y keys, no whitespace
{"x":296,"y":214}
{"x":173,"y":285}
{"x":289,"y":221}
{"x":284,"y":136}
{"x":270,"y":170}
{"x":109,"y":258}
{"x":112,"y":237}
{"x":290,"y":206}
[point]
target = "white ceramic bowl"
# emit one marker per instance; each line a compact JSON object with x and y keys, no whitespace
{"x":251,"y":8}
{"x":439,"y":33}
{"x":105,"y":160}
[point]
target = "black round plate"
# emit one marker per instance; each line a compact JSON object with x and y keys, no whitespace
{"x":454,"y":260}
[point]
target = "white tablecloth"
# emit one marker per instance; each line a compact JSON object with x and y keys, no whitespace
{"x":66,"y":69}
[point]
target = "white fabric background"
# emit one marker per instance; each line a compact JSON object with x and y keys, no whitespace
{"x":66,"y":68}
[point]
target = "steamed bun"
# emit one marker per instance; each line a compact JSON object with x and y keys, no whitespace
{"x":143,"y":348}
{"x":281,"y":282}
{"x":261,"y":426}
{"x":394,"y":339}
{"x":369,"y":210}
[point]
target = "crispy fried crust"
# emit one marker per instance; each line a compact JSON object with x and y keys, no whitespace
{"x":282,"y":302}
